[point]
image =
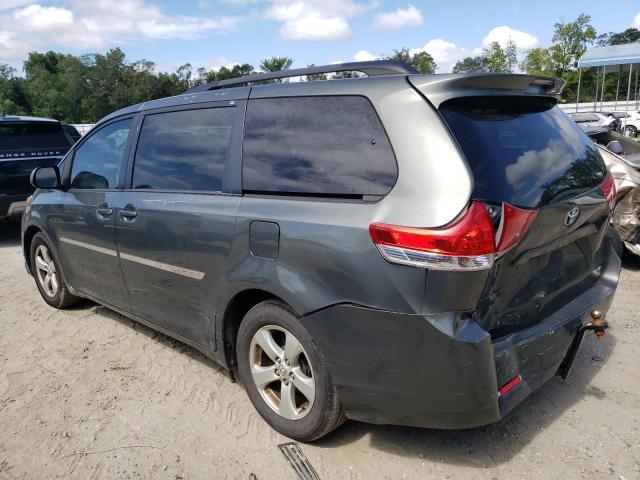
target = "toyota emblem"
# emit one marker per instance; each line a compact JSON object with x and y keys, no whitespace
{"x":572,"y":216}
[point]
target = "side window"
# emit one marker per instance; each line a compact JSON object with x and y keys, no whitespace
{"x":183,"y":150}
{"x":316,"y":146}
{"x":97,"y":162}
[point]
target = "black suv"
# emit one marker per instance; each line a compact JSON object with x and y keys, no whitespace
{"x":402,"y":248}
{"x":26,"y":143}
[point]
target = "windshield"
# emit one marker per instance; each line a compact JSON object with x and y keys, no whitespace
{"x":523,"y":150}
{"x":25,"y":136}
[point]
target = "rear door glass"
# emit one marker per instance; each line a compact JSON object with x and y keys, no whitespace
{"x":522,"y":150}
{"x":183,"y":150}
{"x":325,"y":146}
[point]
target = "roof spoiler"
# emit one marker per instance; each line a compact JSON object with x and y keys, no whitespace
{"x":440,"y":88}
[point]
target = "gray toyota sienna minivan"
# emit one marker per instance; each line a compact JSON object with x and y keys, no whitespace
{"x":399,"y":248}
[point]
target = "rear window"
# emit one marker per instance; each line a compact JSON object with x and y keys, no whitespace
{"x":524,"y":151}
{"x":323,"y":146}
{"x":23,"y":136}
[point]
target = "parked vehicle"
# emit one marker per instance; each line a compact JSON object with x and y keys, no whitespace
{"x":622,"y":157}
{"x":408,"y":249}
{"x":596,"y":119}
{"x":26,"y":143}
{"x":72,"y":132}
{"x":629,"y":123}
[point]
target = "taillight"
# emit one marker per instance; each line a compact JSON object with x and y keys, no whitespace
{"x":469,"y":243}
{"x":608,"y":189}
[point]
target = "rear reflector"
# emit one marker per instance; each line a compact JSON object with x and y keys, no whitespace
{"x":515,"y":223}
{"x":466,"y":244}
{"x":608,"y":189}
{"x":509,"y":386}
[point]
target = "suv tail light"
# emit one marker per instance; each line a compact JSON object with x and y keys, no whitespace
{"x":469,"y":243}
{"x":608,"y":189}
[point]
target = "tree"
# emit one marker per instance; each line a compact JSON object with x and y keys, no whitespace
{"x":570,"y":41}
{"x":315,"y":76}
{"x":538,"y":61}
{"x":501,"y":60}
{"x":471,"y":64}
{"x":276,"y":64}
{"x":630,"y":35}
{"x":422,"y":61}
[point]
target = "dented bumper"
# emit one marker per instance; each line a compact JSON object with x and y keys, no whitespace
{"x":444,"y":371}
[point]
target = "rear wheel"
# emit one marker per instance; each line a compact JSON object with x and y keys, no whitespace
{"x":285,"y":375}
{"x":48,"y":275}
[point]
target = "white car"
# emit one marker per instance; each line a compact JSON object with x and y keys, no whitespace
{"x":630,"y":123}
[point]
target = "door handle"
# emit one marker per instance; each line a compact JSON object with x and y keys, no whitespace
{"x":128,"y":215}
{"x":104,"y":211}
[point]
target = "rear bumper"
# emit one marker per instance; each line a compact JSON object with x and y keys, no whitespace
{"x":444,"y":371}
{"x":13,"y":204}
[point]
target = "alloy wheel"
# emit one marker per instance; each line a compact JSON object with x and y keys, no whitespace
{"x":281,"y":371}
{"x":46,"y":271}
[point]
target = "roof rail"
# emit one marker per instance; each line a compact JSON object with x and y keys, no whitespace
{"x":372,"y":69}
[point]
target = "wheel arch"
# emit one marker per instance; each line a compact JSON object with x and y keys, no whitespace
{"x":235,"y":310}
{"x":27,"y":239}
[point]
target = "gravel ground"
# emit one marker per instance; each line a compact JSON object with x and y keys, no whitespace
{"x":87,"y":393}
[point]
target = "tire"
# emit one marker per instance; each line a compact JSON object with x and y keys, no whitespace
{"x":630,"y":131}
{"x":272,"y":324}
{"x":54,"y":291}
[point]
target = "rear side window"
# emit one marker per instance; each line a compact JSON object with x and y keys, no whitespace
{"x":183,"y":150}
{"x":523,"y":150}
{"x":18,"y":136}
{"x":325,"y":146}
{"x":97,"y":162}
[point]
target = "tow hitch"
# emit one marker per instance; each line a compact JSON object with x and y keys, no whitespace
{"x":598,"y":325}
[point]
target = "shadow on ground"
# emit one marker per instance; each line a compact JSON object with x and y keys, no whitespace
{"x":9,"y":232}
{"x":481,"y":447}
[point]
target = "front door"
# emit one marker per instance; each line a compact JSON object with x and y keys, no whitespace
{"x":175,"y":225}
{"x":85,"y":221}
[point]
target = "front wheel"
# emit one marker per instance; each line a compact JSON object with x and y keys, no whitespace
{"x":48,"y":274}
{"x":630,"y":131}
{"x":285,"y":375}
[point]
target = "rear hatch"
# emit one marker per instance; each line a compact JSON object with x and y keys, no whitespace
{"x":524,"y":152}
{"x":24,"y":146}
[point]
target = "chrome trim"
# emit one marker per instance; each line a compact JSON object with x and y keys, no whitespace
{"x":88,"y":246}
{"x":185,"y":272}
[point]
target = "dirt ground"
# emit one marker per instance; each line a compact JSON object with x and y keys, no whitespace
{"x":89,"y":394}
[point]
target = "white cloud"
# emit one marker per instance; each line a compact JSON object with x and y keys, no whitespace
{"x":96,"y":25}
{"x":398,"y":19}
{"x":445,"y":54}
{"x":636,"y":21}
{"x":364,"y":56}
{"x":503,"y":34}
{"x":9,"y":4}
{"x":314,"y":19}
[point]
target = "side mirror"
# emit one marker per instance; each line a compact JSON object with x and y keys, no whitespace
{"x":45,"y":177}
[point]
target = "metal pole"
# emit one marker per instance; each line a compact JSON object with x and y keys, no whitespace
{"x":637,"y":91}
{"x":615,"y":105}
{"x":578,"y":93}
{"x":604,"y":69}
{"x":595,"y":102}
{"x":626,"y":107}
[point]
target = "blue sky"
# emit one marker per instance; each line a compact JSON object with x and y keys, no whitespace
{"x":211,"y":33}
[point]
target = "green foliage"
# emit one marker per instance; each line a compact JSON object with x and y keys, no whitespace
{"x":538,"y":61}
{"x":422,"y":61}
{"x":315,"y":76}
{"x":471,"y":64}
{"x":630,"y":35}
{"x":570,"y":41}
{"x":493,"y":59}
